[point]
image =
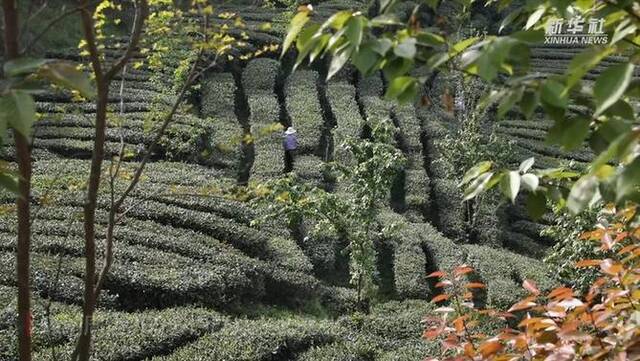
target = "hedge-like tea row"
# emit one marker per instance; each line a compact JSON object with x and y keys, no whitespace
{"x":218,"y":103}
{"x":503,"y":273}
{"x":134,"y":336}
{"x":304,"y":109}
{"x":258,"y":79}
{"x":342,"y":99}
{"x":67,"y":287}
{"x":262,"y":339}
{"x":409,"y":125}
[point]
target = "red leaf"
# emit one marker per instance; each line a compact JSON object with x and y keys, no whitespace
{"x":432,"y":333}
{"x":490,"y":348}
{"x":561,"y":293}
{"x":588,"y":263}
{"x":476,"y":285}
{"x":440,"y":298}
{"x":610,"y":267}
{"x":444,"y":283}
{"x":531,"y":287}
{"x":462,"y":270}
{"x":436,"y":274}
{"x":523,"y":305}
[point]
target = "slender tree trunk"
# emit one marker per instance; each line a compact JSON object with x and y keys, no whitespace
{"x":103,"y":78}
{"x":23,"y":153}
{"x":84,"y":341}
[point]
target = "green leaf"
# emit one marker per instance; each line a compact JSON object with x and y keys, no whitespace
{"x":477,"y":186}
{"x":365,"y":59}
{"x":430,"y":39}
{"x":406,"y":49}
{"x":475,"y":171}
{"x":552,"y":92}
{"x":22,"y":66}
{"x":629,"y":180}
{"x":354,"y":30}
{"x":526,"y":164}
{"x":606,"y":133}
{"x":386,"y":5}
{"x":338,"y":61}
{"x":536,"y":205}
{"x":307,"y":41}
{"x":463,"y":44}
{"x":436,"y":60}
{"x":505,"y":105}
{"x":385,"y":20}
{"x":337,"y":20}
{"x":18,"y":110}
{"x":528,"y":103}
{"x":585,"y":61}
{"x":535,"y":17}
{"x":398,"y":86}
{"x":68,"y":76}
{"x":321,"y":44}
{"x":296,"y":25}
{"x":582,"y":193}
{"x":621,"y":32}
{"x":409,"y":94}
{"x":611,"y":85}
{"x":530,"y":181}
{"x":621,"y":109}
{"x":9,"y":182}
{"x":397,"y":67}
{"x":618,"y":149}
{"x":305,"y":38}
{"x":570,"y":133}
{"x":510,"y":185}
{"x":381,"y":46}
{"x":509,"y":19}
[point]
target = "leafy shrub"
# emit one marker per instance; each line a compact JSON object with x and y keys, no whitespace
{"x":503,"y":272}
{"x":570,"y":248}
{"x":562,"y":324}
{"x":249,"y":340}
{"x":451,"y":211}
{"x":409,"y":269}
{"x":123,"y":336}
{"x":343,"y":351}
{"x":397,"y":320}
{"x":286,"y":253}
{"x":260,"y":76}
{"x":304,"y":109}
{"x":341,"y":97}
{"x":340,"y":300}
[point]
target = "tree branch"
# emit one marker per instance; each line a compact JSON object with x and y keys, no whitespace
{"x":142,"y":12}
{"x":49,"y":26}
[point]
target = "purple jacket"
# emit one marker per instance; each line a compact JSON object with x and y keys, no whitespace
{"x":290,"y":142}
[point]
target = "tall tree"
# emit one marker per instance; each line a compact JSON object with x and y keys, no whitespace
{"x":103,"y":78}
{"x":23,"y":154}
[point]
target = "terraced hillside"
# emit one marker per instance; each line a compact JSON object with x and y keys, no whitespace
{"x":192,"y":278}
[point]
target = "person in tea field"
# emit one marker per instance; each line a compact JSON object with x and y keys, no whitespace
{"x":290,"y":144}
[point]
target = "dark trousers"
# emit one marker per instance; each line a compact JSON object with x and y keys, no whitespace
{"x":288,"y":161}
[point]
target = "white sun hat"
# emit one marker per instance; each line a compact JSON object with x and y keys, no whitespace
{"x":290,"y":130}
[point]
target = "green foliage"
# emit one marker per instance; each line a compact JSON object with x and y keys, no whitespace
{"x":248,"y":340}
{"x":570,"y":248}
{"x":381,"y":43}
{"x":351,"y":213}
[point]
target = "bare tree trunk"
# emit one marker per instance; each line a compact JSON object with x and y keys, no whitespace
{"x":23,"y":153}
{"x":103,"y":80}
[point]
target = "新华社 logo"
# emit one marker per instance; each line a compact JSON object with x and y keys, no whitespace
{"x":576,"y":30}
